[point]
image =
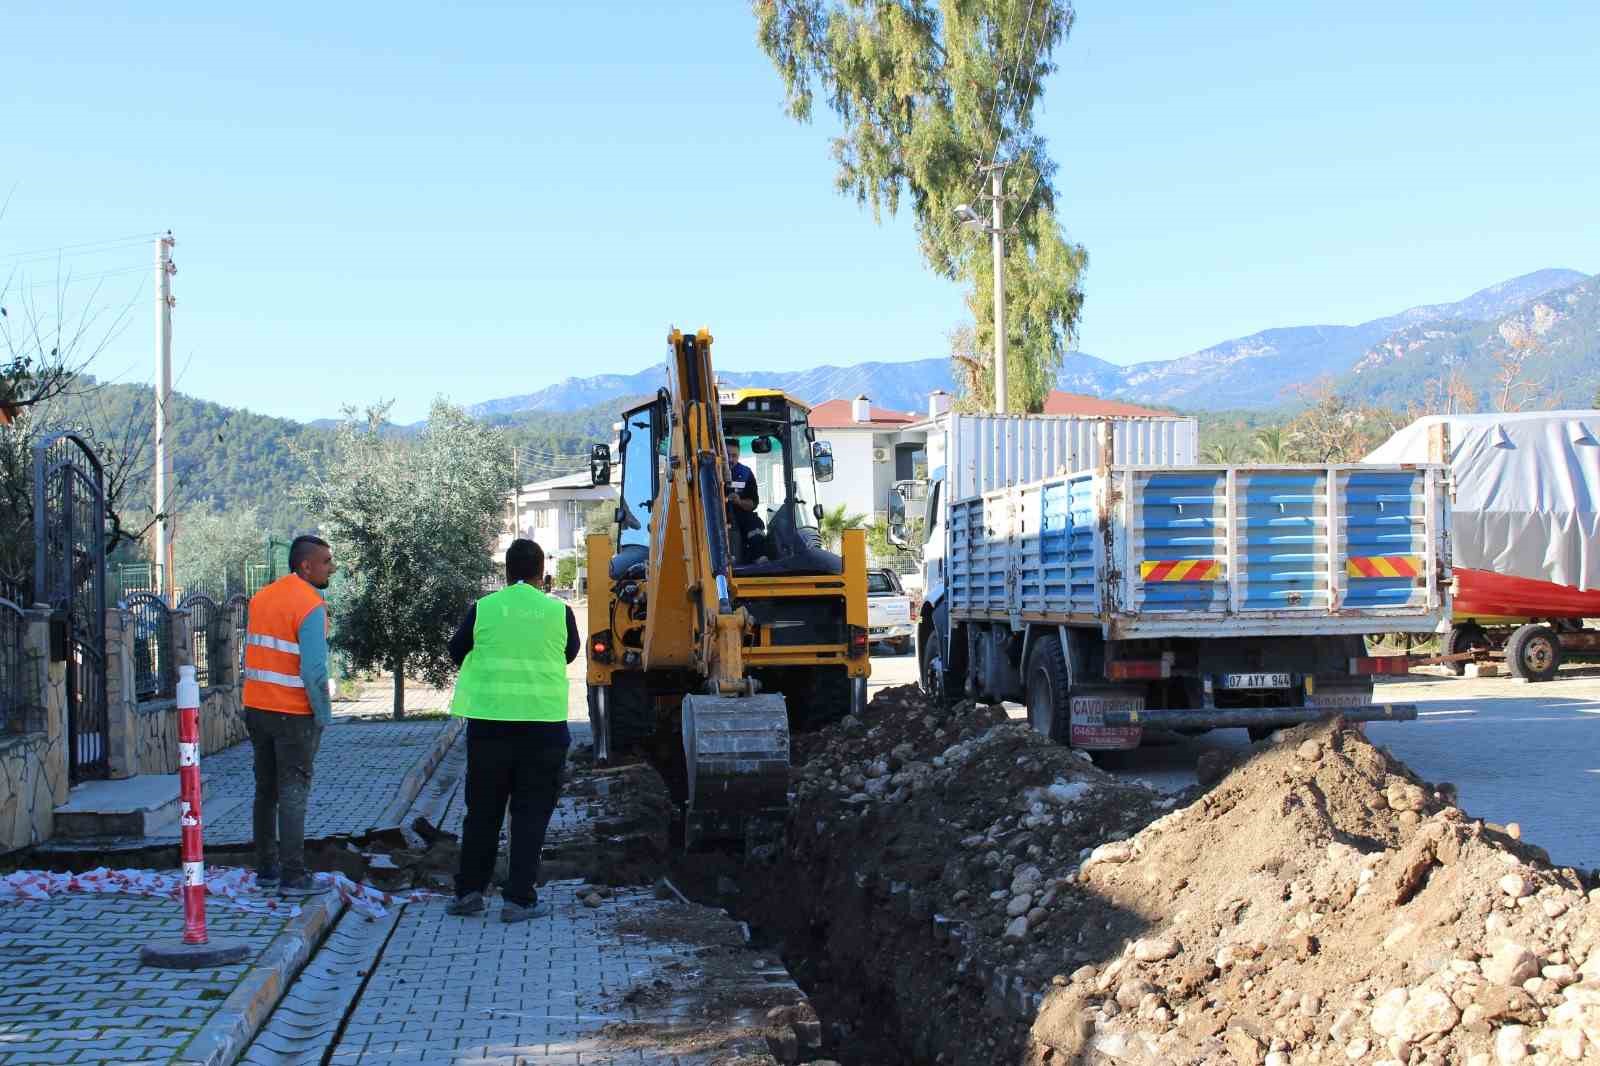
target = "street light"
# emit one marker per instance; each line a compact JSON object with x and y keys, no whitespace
{"x":971,"y":220}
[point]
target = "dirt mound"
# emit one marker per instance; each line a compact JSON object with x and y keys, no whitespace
{"x":926,"y":866}
{"x":957,"y":889}
{"x":1321,"y":904}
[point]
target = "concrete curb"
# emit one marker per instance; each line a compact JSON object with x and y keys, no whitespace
{"x":229,"y":1031}
{"x":412,"y":784}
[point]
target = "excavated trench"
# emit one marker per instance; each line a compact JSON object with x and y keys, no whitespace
{"x":881,"y":901}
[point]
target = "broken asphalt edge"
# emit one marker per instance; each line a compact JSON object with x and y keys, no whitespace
{"x":229,"y":1031}
{"x":412,"y":784}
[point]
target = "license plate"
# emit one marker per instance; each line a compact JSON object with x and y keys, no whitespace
{"x":1255,"y":681}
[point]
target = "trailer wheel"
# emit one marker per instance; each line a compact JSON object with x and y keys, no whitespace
{"x":1049,"y":705}
{"x":1469,"y":636}
{"x":1534,"y":653}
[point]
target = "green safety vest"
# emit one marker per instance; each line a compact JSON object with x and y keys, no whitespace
{"x":517,"y":668}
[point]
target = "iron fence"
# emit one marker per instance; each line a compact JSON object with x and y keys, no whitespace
{"x":155,"y":674}
{"x":207,"y":637}
{"x":19,"y":705}
{"x":15,"y":589}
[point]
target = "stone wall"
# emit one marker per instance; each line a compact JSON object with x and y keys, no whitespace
{"x":33,"y":766}
{"x":142,"y":738}
{"x":153,"y":733}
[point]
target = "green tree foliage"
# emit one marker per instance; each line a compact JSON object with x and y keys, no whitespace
{"x":834,"y":523}
{"x":567,"y":572}
{"x":1223,"y":453}
{"x":211,"y":548}
{"x":412,"y":523}
{"x":1272,"y":444}
{"x":927,"y":92}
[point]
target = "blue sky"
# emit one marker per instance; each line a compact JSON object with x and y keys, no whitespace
{"x":398,"y":201}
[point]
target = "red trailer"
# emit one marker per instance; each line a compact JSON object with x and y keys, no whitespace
{"x":1525,"y":529}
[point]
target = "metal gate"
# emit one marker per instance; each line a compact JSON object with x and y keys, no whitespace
{"x":69,"y":574}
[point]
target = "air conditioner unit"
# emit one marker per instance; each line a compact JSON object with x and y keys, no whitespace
{"x":880,"y":455}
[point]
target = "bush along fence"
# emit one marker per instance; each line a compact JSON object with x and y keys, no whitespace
{"x":146,"y":642}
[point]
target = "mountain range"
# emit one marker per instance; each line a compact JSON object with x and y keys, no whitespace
{"x":1260,"y":371}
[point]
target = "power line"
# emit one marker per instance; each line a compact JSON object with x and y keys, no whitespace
{"x":51,"y":253}
{"x":70,"y":278}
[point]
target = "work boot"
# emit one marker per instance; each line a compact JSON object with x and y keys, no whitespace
{"x":305,"y":886}
{"x":469,"y":906}
{"x":267,"y":879}
{"x":511,"y":913}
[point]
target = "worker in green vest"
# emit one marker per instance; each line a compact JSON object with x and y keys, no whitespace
{"x":513,"y":648}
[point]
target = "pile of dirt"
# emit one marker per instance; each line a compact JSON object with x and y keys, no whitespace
{"x":1321,"y":904}
{"x":924,"y":898}
{"x":968,"y":892}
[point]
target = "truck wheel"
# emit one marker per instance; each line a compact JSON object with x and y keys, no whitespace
{"x":1534,"y":653}
{"x":1049,"y":705}
{"x":932,"y":671}
{"x":1466,"y":637}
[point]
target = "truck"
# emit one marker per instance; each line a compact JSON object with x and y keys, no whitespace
{"x":888,"y":611}
{"x":1091,"y":570}
{"x":1525,"y":519}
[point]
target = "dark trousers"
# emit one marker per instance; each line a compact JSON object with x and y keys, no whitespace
{"x":515,"y":764}
{"x":285,"y":746}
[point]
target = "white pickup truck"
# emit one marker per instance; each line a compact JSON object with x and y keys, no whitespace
{"x":888,"y":611}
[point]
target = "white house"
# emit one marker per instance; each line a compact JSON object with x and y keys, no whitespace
{"x":870,"y":453}
{"x":554,"y":513}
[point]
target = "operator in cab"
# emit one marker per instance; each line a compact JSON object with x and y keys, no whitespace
{"x":743,"y":499}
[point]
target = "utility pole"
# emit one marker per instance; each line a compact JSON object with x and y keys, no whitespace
{"x":164,"y":272}
{"x":997,"y":174}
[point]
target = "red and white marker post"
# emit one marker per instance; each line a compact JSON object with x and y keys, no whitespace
{"x":195,"y":951}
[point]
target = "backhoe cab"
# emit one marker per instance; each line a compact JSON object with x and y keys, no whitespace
{"x":712,"y":636}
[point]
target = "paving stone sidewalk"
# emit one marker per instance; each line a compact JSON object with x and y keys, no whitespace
{"x":557,"y":991}
{"x":358,"y":770}
{"x":72,"y":989}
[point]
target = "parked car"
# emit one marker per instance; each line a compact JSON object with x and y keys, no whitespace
{"x":888,"y":611}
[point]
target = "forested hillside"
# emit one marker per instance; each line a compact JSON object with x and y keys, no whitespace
{"x":231,"y":459}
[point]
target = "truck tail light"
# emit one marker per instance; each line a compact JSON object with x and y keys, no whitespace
{"x":858,"y":642}
{"x":600,"y":647}
{"x":1380,"y":664}
{"x":1138,"y":669}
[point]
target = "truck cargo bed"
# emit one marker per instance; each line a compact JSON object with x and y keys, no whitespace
{"x":1151,"y":552}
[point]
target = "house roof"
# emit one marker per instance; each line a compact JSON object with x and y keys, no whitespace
{"x":1072,"y":403}
{"x":577,"y":480}
{"x":836,"y":414}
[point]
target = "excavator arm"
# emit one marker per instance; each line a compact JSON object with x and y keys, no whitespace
{"x":735,"y":737}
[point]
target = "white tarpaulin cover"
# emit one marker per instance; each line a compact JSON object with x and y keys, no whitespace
{"x":1527,"y":491}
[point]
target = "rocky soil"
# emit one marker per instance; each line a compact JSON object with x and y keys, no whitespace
{"x":967,"y":892}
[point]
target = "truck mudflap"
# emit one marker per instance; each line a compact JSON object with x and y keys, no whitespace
{"x":1094,"y":724}
{"x":1211,"y":718}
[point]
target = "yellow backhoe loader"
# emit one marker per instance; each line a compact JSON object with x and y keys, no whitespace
{"x":725,"y":637}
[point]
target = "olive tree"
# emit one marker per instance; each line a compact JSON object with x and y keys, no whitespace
{"x":413,"y":525}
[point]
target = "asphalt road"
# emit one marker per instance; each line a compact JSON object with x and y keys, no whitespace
{"x":1515,"y":752}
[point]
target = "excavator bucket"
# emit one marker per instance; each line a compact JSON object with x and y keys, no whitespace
{"x":736,"y":749}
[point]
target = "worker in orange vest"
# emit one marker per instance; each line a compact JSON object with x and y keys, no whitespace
{"x":286,"y":708}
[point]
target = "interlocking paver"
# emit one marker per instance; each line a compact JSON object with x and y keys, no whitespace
{"x":83,"y":970}
{"x":357,"y":771}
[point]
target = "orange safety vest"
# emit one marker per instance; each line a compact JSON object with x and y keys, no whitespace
{"x":272,"y":646}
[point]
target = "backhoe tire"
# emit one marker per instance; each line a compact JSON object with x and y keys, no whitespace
{"x":1045,"y":685}
{"x":633,"y":715}
{"x":1534,"y":653}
